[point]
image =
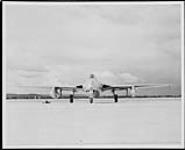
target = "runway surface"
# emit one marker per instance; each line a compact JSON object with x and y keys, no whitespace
{"x":130,"y":121}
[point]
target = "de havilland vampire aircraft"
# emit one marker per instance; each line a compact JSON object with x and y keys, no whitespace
{"x":93,"y":89}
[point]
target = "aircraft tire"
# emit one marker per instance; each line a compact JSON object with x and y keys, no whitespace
{"x":91,"y":100}
{"x":46,"y":102}
{"x":115,"y":98}
{"x":71,"y":99}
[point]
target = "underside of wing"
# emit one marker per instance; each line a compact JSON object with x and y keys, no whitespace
{"x":64,"y":88}
{"x":124,"y":87}
{"x":109,"y":87}
{"x":151,"y":85}
{"x":69,"y":88}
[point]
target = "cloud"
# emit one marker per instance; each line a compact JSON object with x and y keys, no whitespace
{"x":129,"y":78}
{"x":116,"y":77}
{"x":106,"y":74}
{"x":64,"y":44}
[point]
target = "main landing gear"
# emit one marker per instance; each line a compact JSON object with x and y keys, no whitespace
{"x":71,"y":98}
{"x":91,"y":100}
{"x":115,"y":98}
{"x":46,"y":102}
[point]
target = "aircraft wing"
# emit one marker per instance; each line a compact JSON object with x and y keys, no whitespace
{"x":124,"y":87}
{"x":63,"y":88}
{"x":70,"y":88}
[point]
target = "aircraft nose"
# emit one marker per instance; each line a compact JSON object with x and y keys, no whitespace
{"x":91,"y":75}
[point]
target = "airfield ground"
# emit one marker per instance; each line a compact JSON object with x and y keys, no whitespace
{"x":130,"y":121}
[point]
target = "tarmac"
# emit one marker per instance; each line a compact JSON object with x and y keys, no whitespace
{"x":30,"y":123}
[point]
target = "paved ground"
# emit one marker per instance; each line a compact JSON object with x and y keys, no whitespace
{"x":130,"y":121}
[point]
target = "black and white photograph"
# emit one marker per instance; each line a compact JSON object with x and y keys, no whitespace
{"x":93,"y":74}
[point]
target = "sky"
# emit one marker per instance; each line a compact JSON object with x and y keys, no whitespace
{"x":61,"y":44}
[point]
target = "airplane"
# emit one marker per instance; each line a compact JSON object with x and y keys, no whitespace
{"x":93,"y":89}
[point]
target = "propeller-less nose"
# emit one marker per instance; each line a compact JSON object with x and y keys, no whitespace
{"x":91,"y":75}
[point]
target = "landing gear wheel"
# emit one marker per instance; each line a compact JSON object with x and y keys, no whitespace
{"x":71,"y":98}
{"x":115,"y":98}
{"x":91,"y":100}
{"x":47,"y":102}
